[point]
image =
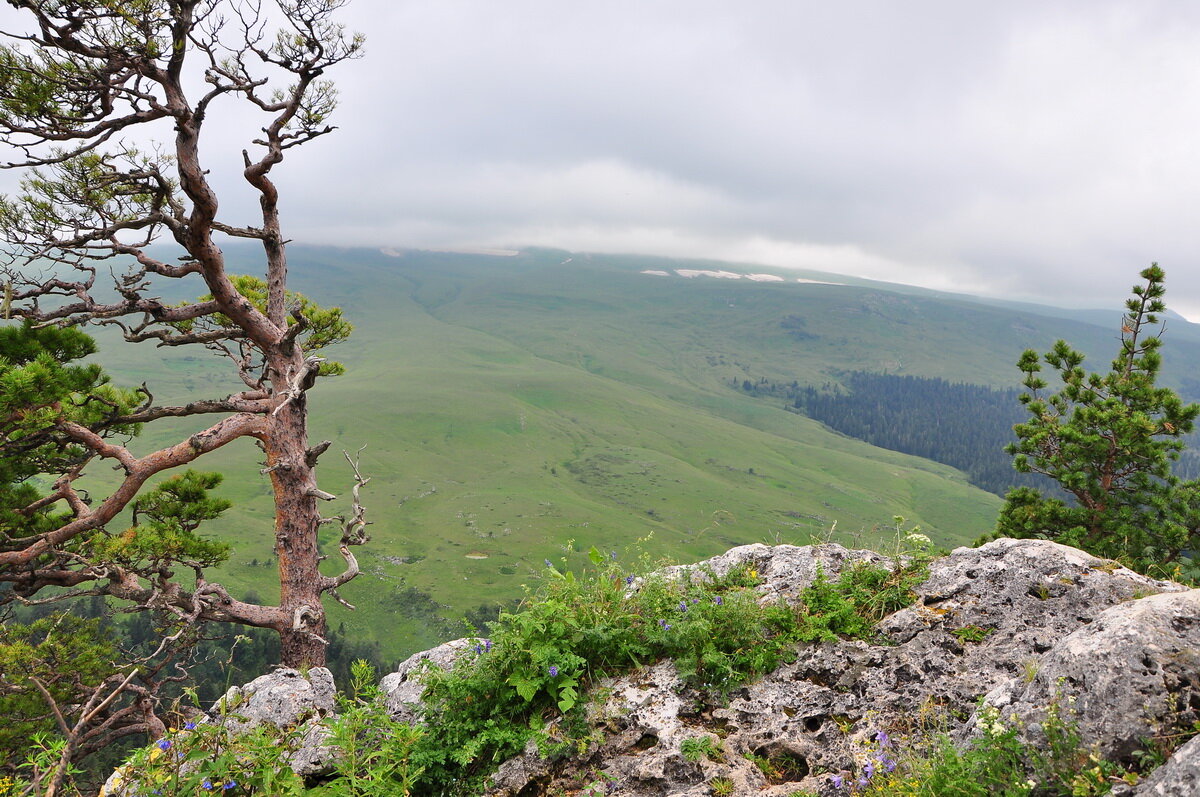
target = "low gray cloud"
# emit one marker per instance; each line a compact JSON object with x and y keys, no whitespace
{"x":1026,"y":149}
{"x":1029,"y":149}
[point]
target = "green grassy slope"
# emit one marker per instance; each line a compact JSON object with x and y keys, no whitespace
{"x":510,"y":405}
{"x":715,"y":330}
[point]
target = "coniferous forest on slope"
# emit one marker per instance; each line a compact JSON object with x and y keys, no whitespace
{"x":958,"y":424}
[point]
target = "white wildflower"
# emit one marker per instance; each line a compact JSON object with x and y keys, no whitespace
{"x":990,"y":722}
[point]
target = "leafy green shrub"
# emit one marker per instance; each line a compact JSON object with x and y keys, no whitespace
{"x":571,"y":632}
{"x":539,"y":660}
{"x":209,"y":758}
{"x":373,"y":750}
{"x":201,"y":758}
{"x":862,"y":596}
{"x":998,"y":763}
{"x":718,"y":636}
{"x":697,"y":748}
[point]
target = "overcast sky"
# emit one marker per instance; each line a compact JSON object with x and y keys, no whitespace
{"x":1027,"y":149}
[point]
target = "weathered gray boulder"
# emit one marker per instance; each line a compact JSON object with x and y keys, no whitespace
{"x":284,"y":698}
{"x":403,"y":687}
{"x":1130,"y":675}
{"x":288,"y":700}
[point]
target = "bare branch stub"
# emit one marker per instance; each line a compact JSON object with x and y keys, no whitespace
{"x":354,"y":532}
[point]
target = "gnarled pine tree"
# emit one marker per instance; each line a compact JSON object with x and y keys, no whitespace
{"x":1109,"y":441}
{"x":79,"y":88}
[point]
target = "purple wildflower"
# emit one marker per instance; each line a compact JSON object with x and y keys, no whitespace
{"x":664,"y":624}
{"x":869,"y":770}
{"x":884,"y":740}
{"x":683,"y":606}
{"x":189,"y":726}
{"x":164,"y":744}
{"x":230,"y":784}
{"x":629,"y":581}
{"x":553,"y":671}
{"x":717,"y":599}
{"x":207,"y":785}
{"x":837,"y":780}
{"x":548,"y":563}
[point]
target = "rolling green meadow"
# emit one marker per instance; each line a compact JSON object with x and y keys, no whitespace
{"x":515,"y":409}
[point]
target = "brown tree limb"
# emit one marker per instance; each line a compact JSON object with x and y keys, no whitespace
{"x":137,"y":472}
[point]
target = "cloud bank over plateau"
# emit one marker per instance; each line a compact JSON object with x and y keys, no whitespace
{"x":1024,"y":149}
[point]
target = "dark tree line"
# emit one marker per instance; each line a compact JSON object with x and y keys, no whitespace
{"x":217,"y":657}
{"x":961,"y":425}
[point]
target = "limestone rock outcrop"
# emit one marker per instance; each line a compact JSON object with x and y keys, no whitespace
{"x":289,"y":700}
{"x":1043,"y":614}
{"x":403,"y":687}
{"x":1125,"y":677}
{"x":1018,"y":626}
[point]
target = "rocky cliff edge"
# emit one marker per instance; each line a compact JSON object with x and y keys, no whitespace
{"x":1004,"y":632}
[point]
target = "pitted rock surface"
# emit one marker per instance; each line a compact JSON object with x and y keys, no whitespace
{"x":1131,"y":674}
{"x":819,"y":714}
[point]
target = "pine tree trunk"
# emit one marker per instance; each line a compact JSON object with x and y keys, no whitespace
{"x":297,"y":520}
